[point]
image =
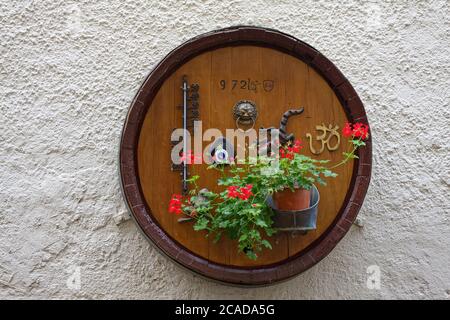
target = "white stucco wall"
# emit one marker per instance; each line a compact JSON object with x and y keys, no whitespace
{"x":68,"y":72}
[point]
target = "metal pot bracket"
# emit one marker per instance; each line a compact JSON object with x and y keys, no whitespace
{"x":301,"y":220}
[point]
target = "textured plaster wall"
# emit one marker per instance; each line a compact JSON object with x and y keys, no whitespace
{"x":68,"y":72}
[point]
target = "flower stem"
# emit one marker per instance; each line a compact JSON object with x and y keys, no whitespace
{"x":348,"y":157}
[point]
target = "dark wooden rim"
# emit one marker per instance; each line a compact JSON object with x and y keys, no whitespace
{"x":316,"y":251}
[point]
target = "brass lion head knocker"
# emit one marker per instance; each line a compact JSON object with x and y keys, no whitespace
{"x":245,"y":113}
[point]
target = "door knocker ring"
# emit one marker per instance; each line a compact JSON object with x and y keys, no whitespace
{"x":245,"y":113}
{"x":242,"y":130}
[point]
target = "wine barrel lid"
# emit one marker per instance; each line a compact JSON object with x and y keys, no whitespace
{"x":276,"y":72}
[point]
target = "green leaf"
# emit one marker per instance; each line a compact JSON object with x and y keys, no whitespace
{"x":270,"y":231}
{"x":329,"y":173}
{"x":261,"y":223}
{"x":225,"y":181}
{"x":321,"y":181}
{"x":243,"y":237}
{"x":266,"y":244}
{"x":237,"y":170}
{"x":193,"y":179}
{"x":252,"y":255}
{"x":358,"y":143}
{"x":201,"y":224}
{"x":224,"y":224}
{"x":254,"y":234}
{"x":350,"y":155}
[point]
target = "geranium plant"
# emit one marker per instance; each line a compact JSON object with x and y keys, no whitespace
{"x":241,"y":209}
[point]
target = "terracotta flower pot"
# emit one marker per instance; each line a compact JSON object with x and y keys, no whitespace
{"x":291,"y":218}
{"x":288,"y":200}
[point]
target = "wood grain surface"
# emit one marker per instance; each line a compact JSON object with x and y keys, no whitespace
{"x":295,"y":85}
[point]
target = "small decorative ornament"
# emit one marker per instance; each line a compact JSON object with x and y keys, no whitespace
{"x":245,"y":113}
{"x":325,"y":138}
{"x":220,"y":152}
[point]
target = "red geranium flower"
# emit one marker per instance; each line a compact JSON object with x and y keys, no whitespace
{"x":361,"y":130}
{"x":242,"y":193}
{"x":290,"y":151}
{"x":175,"y":204}
{"x":296,"y":147}
{"x":286,"y":154}
{"x":246,"y":192}
{"x":357,"y":130}
{"x":347,"y":130}
{"x":232,"y":192}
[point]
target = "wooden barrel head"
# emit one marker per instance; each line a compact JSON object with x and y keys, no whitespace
{"x":277,"y":72}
